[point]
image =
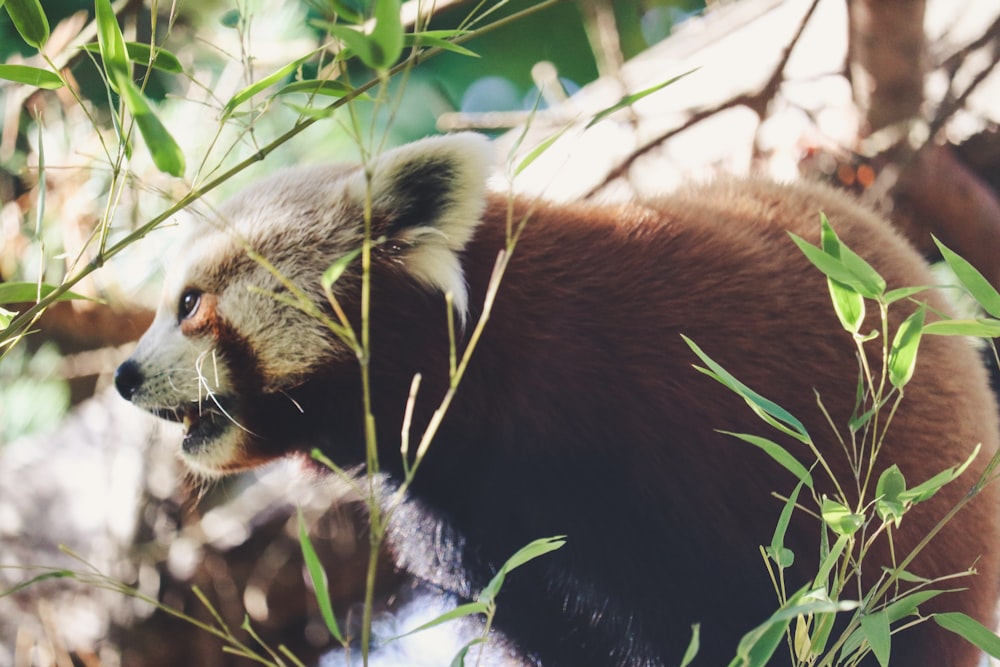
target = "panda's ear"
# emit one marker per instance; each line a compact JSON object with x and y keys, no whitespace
{"x":427,"y":199}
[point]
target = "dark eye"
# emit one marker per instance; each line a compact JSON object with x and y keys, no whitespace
{"x":188,"y":304}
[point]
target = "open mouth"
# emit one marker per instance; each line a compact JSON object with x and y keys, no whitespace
{"x":203,"y":422}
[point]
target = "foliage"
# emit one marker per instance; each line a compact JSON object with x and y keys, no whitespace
{"x":805,"y":619}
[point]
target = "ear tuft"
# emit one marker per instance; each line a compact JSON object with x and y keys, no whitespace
{"x":430,"y":195}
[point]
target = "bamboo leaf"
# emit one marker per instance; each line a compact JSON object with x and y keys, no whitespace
{"x":23,"y":292}
{"x":326,"y":87}
{"x":693,"y":646}
{"x":29,"y":20}
{"x":848,"y":304}
{"x":318,"y":577}
{"x":972,"y":280}
{"x":461,"y":611}
{"x":925,"y":491}
{"x":111,"y":44}
{"x":839,"y":518}
{"x":629,"y":100}
{"x":31,"y":76}
{"x":166,"y":154}
{"x":254,"y":88}
{"x":876,"y":629}
{"x":778,"y":453}
{"x":439,"y":39}
{"x":141,"y":54}
{"x":768,"y":410}
{"x":526,"y":553}
{"x":972,"y":630}
{"x":979,"y":328}
{"x":335,"y":270}
{"x":903,"y":352}
{"x":386,"y":43}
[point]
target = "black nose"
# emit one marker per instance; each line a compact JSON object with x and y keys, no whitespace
{"x":128,"y":379}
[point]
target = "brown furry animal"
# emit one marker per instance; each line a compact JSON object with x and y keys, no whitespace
{"x":580,"y":413}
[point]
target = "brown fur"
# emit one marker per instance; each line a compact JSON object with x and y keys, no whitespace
{"x":581,"y":413}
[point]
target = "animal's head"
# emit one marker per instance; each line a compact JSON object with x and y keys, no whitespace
{"x":226,"y":327}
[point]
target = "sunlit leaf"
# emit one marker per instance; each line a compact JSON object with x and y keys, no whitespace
{"x":29,"y":20}
{"x":23,"y":292}
{"x":461,"y":611}
{"x":839,"y":518}
{"x":111,"y":44}
{"x":903,"y":352}
{"x":972,"y":280}
{"x":166,"y":154}
{"x":979,"y":328}
{"x":891,"y":485}
{"x":31,"y":76}
{"x":848,"y":304}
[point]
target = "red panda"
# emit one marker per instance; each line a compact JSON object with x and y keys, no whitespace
{"x":580,"y":413}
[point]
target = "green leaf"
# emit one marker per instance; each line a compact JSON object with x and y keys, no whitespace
{"x":892,"y":296}
{"x":459,"y":659}
{"x":325,"y":87}
{"x":972,"y":630}
{"x":386,"y":43}
{"x":461,"y":611}
{"x":907,"y":605}
{"x":439,"y":39}
{"x":6,"y":317}
{"x":111,"y":44}
{"x":829,"y":561}
{"x":768,"y":410}
{"x":839,"y":518}
{"x":254,"y":88}
{"x":848,"y":304}
{"x":140,"y":53}
{"x":891,"y":484}
{"x":782,"y":556}
{"x":335,"y":270}
{"x":29,"y":20}
{"x":31,"y":76}
{"x":21,"y":292}
{"x":925,"y":491}
{"x":318,"y":577}
{"x":537,"y":151}
{"x":979,"y":328}
{"x":166,"y":154}
{"x":55,"y":574}
{"x":693,"y":646}
{"x":876,"y":630}
{"x":778,"y":453}
{"x":849,"y":272}
{"x":903,"y":352}
{"x":629,"y":100}
{"x":526,"y":553}
{"x":972,"y":280}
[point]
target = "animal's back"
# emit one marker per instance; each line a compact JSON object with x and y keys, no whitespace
{"x":586,"y":391}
